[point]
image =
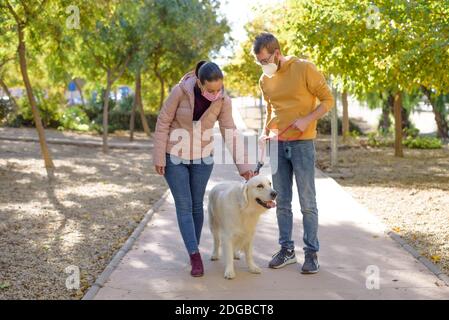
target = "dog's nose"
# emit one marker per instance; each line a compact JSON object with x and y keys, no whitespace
{"x":273,"y":194}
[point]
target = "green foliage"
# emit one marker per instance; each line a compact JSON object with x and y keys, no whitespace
{"x":422,"y":142}
{"x":6,"y":110}
{"x":49,"y":108}
{"x":354,"y":134}
{"x":411,"y":132}
{"x":161,"y":38}
{"x":119,"y":116}
{"x":74,"y":118}
{"x":377,"y":139}
{"x":412,"y":140}
{"x":400,"y":47}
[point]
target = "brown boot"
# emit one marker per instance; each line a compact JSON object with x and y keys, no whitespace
{"x":197,"y":265}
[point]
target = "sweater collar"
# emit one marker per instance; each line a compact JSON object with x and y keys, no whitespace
{"x":288,"y":61}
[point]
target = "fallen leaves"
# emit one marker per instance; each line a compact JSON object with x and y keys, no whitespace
{"x":396,"y":229}
{"x":435,"y":258}
{"x":4,"y":285}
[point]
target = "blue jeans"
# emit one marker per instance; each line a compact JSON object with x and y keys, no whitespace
{"x":187,"y":181}
{"x":296,"y":157}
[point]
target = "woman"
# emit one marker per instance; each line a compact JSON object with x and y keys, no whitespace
{"x":195,"y":103}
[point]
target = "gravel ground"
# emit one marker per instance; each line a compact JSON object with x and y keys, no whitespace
{"x":80,"y":220}
{"x":410,"y":194}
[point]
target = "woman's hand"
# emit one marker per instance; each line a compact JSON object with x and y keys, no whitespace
{"x":160,"y":170}
{"x":248,"y":175}
{"x":263,"y":138}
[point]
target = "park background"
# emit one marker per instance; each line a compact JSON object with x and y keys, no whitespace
{"x":97,"y":72}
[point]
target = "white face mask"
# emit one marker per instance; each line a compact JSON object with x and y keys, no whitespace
{"x":269,"y":69}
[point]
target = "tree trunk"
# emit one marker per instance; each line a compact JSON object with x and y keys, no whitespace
{"x":334,"y":131}
{"x":162,"y":83}
{"x":345,"y":120}
{"x":8,"y":93}
{"x":162,"y":94}
{"x":398,"y":125}
{"x":135,"y":103}
{"x":405,"y":122}
{"x":37,"y":118}
{"x":80,"y":90}
{"x":387,"y":107}
{"x":405,"y":115}
{"x":146,"y":127}
{"x":106,"y":111}
{"x":440,"y":116}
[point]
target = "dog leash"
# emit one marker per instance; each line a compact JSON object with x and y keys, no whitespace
{"x":260,"y":161}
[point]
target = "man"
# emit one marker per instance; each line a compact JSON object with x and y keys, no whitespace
{"x":290,"y":87}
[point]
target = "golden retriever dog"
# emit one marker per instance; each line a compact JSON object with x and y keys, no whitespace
{"x":234,"y":209}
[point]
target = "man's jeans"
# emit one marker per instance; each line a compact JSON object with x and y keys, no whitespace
{"x":296,"y":157}
{"x":187,"y":181}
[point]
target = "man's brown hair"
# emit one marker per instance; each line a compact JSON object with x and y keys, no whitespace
{"x":265,"y":40}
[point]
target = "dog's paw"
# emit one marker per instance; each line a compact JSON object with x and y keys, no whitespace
{"x":214,"y":257}
{"x":229,"y":274}
{"x":255,"y":269}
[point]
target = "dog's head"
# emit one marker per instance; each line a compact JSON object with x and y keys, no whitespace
{"x":258,"y":190}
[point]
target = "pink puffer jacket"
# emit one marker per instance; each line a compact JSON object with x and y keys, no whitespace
{"x":177,"y":113}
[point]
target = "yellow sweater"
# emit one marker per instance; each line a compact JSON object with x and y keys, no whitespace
{"x":292,"y":93}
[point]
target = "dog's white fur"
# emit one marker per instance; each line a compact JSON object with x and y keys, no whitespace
{"x":233,"y":215}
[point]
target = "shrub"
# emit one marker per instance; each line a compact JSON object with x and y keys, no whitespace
{"x":354,"y":134}
{"x":74,"y":118}
{"x":119,"y":115}
{"x":377,"y":139}
{"x":6,"y":110}
{"x":324,"y":126}
{"x":422,"y":142}
{"x":411,"y":132}
{"x":411,"y":140}
{"x":49,"y":110}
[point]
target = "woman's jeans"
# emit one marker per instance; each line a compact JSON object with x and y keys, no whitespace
{"x":296,"y":157}
{"x":187,"y":180}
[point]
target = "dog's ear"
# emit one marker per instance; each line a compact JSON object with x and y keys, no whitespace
{"x":244,"y":197}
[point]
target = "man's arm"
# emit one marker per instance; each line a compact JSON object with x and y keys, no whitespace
{"x":316,"y":83}
{"x":267,"y":119}
{"x":265,"y":131}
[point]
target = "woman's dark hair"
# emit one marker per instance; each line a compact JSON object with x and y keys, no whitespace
{"x":208,"y":71}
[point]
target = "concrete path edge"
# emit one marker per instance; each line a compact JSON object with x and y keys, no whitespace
{"x":112,"y":265}
{"x":426,"y":262}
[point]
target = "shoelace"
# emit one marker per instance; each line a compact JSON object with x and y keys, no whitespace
{"x":278,"y":253}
